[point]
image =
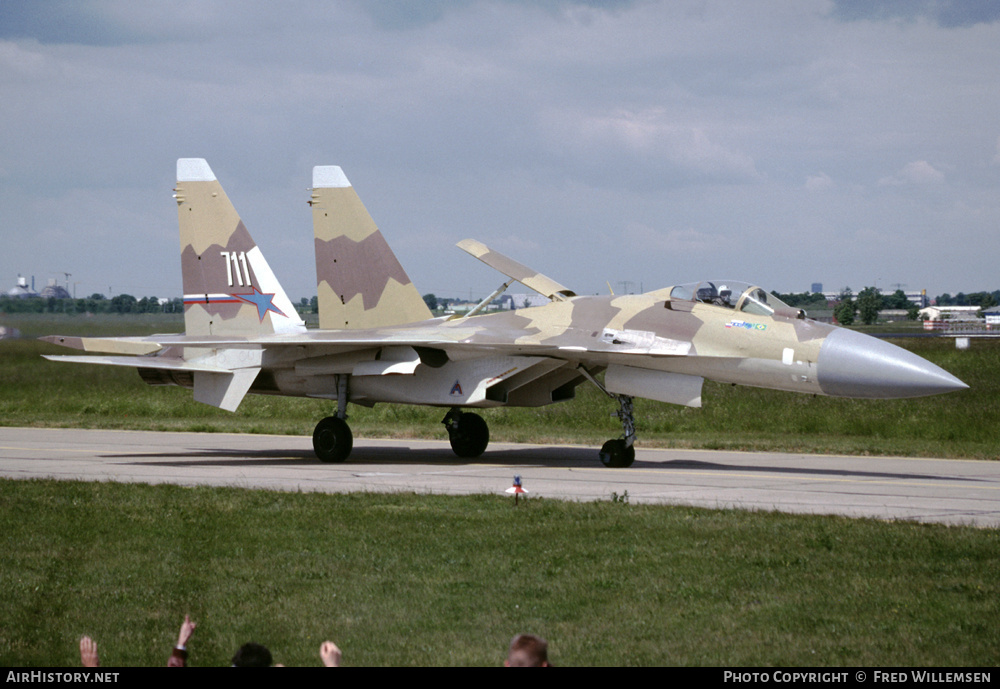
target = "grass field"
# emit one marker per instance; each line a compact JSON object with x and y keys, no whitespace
{"x":36,"y":392}
{"x":434,"y":580}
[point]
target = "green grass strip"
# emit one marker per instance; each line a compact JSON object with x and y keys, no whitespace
{"x":402,"y":579}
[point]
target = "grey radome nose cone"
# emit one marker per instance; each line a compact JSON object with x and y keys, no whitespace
{"x":855,"y":365}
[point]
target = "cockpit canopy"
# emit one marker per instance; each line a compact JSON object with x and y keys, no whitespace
{"x":735,"y":295}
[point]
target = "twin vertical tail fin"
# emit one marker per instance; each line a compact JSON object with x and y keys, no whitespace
{"x":360,"y":283}
{"x":228,"y":287}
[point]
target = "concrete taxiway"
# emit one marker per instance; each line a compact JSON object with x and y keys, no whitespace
{"x":926,"y":490}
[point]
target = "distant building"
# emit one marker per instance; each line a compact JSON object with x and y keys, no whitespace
{"x":54,"y":290}
{"x":950,"y":313}
{"x":21,"y":290}
{"x":992,"y":315}
{"x":918,"y":298}
{"x":524,"y":301}
{"x":817,"y":287}
{"x":460,"y":306}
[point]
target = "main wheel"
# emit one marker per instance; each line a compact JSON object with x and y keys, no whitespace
{"x":333,"y":440}
{"x":470,"y":437}
{"x":617,"y":455}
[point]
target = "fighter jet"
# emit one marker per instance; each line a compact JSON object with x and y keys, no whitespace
{"x":378,"y":342}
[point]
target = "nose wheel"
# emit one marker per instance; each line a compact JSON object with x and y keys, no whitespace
{"x":616,"y":454}
{"x":619,"y":452}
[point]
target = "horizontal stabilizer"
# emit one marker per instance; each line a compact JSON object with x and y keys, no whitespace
{"x":221,"y":387}
{"x":111,"y":345}
{"x":542,"y":284}
{"x":138,"y":362}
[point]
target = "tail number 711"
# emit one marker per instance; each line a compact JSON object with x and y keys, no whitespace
{"x":234,"y":262}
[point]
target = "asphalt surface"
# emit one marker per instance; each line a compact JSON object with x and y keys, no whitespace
{"x":959,"y":492}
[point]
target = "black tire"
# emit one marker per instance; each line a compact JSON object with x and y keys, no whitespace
{"x":333,"y":440}
{"x":616,"y":455}
{"x":470,"y":438}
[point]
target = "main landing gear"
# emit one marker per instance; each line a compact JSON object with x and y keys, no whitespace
{"x":468,"y":433}
{"x":332,"y":439}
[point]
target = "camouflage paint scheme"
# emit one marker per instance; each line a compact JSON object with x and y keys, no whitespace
{"x":377,"y":341}
{"x":359,"y":282}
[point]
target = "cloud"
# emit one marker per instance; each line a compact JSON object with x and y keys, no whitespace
{"x":645,"y":147}
{"x":673,"y":242}
{"x":564,"y":122}
{"x":919,"y":172}
{"x":945,"y":13}
{"x":819,"y":182}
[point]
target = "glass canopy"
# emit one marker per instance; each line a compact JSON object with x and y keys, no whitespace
{"x":731,"y":294}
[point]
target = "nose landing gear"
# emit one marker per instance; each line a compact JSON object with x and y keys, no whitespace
{"x":617,"y":453}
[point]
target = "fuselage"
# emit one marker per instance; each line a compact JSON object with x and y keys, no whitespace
{"x":664,"y":341}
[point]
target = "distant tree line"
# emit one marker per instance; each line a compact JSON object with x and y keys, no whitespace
{"x":307,"y":305}
{"x":122,"y":304}
{"x":435,"y":303}
{"x":983,"y":300}
{"x":804,"y":300}
{"x":870,"y":301}
{"x":865,"y":308}
{"x":95,"y":303}
{"x":846,"y":308}
{"x":816,"y":300}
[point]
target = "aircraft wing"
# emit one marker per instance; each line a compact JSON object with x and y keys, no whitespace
{"x":542,"y":284}
{"x":462,"y":338}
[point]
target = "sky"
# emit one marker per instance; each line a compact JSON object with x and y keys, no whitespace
{"x":628,"y":143}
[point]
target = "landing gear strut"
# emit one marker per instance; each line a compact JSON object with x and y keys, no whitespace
{"x":619,"y":452}
{"x":468,"y":433}
{"x":332,"y":439}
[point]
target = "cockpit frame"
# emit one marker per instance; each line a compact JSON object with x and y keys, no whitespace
{"x":735,"y":295}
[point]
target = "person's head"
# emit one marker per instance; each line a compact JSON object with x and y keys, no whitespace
{"x":528,"y":650}
{"x":252,"y":655}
